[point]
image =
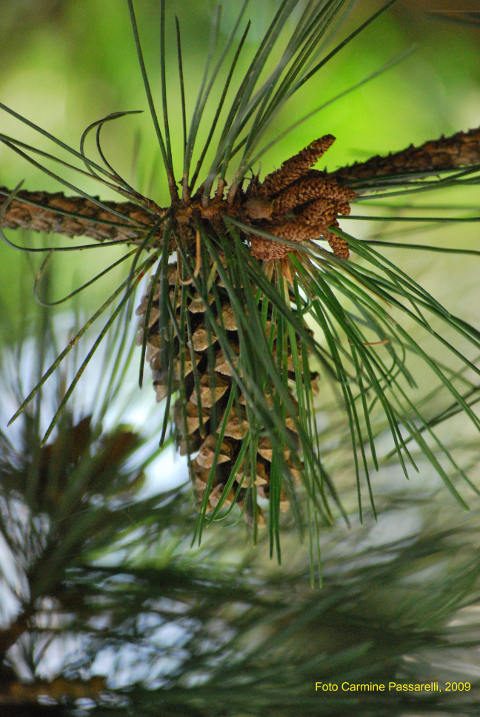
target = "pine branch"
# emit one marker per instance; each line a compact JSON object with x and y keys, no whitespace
{"x":78,"y":216}
{"x":20,"y":694}
{"x":75,"y":216}
{"x":213,"y":345}
{"x":241,"y":273}
{"x":10,"y":634}
{"x":447,"y":153}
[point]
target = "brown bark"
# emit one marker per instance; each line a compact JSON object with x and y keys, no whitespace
{"x":10,"y":635}
{"x":459,"y":150}
{"x":76,"y":216}
{"x":61,"y":688}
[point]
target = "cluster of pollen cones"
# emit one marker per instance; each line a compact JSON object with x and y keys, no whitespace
{"x":299,"y":203}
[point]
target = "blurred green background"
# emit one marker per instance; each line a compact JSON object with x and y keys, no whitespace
{"x":66,"y":64}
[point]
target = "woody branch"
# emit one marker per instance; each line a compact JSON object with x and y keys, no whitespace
{"x":127,"y":221}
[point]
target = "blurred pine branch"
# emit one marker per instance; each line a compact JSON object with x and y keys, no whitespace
{"x":107,"y":609}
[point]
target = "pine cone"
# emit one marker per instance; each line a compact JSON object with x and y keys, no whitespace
{"x":207,"y":382}
{"x":295,"y":203}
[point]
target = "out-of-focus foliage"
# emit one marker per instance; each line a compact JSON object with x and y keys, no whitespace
{"x":106,"y":608}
